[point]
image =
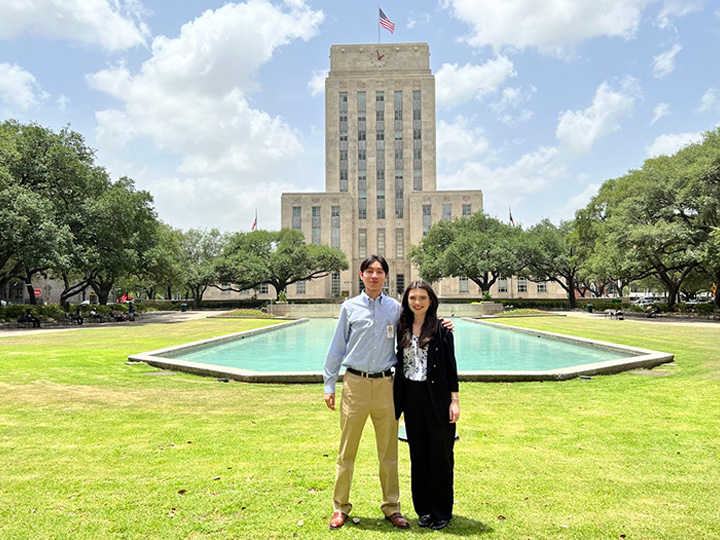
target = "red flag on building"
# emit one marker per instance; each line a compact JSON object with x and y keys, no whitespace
{"x":254,"y":225}
{"x":386,"y":23}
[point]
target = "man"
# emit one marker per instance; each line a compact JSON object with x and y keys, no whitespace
{"x":364,"y":342}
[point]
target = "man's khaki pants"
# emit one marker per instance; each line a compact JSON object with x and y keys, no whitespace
{"x":362,"y":397}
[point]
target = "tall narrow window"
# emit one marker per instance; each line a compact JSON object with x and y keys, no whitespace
{"x":399,"y":243}
{"x":362,"y":243}
{"x":400,"y":284}
{"x":447,"y":212}
{"x":362,"y":194}
{"x":522,"y":285}
{"x":380,"y":189}
{"x":381,"y":242}
{"x":426,"y":218}
{"x":361,"y":106}
{"x":398,"y":109}
{"x":464,"y":284}
{"x":417,"y":140}
{"x":296,"y":218}
{"x":399,"y":182}
{"x":399,"y":195}
{"x":316,"y":225}
{"x":300,"y":287}
{"x":343,"y":143}
{"x":417,"y":180}
{"x":335,"y":283}
{"x":335,"y":226}
{"x":502,"y":285}
{"x":466,"y":210}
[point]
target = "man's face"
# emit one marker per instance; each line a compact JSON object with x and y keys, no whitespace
{"x":373,"y":277}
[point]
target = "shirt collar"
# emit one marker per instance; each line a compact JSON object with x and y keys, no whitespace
{"x":367,"y":299}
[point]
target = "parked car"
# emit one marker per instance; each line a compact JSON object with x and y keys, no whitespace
{"x":645,"y":302}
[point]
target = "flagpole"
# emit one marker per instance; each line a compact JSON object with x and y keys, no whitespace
{"x":378,"y":26}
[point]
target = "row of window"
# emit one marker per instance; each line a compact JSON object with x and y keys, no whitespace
{"x":521,"y":285}
{"x":362,"y":233}
{"x":380,"y":149}
{"x":301,"y":286}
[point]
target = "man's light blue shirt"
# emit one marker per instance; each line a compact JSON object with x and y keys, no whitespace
{"x":364,"y":337}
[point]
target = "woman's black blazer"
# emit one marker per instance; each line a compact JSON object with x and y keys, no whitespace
{"x":442,"y":375}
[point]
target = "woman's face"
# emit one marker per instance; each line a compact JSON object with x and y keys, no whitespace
{"x":419,"y":301}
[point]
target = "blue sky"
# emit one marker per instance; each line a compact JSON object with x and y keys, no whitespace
{"x":217,"y":108}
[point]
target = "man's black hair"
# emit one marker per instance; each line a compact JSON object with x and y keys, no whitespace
{"x":375,"y":258}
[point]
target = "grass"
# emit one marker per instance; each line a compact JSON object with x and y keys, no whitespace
{"x":93,"y":448}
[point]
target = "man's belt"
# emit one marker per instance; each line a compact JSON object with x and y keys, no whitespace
{"x":365,"y":375}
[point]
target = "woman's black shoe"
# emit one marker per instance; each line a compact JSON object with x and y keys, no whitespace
{"x":439,"y":524}
{"x":424,"y":521}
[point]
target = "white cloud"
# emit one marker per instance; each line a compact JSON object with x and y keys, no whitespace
{"x":421,"y":19}
{"x":710,"y":101}
{"x":62,"y":102}
{"x":316,"y":84}
{"x":19,"y":91}
{"x":184,"y":203}
{"x":660,"y":110}
{"x":508,"y":185}
{"x":578,"y":131}
{"x":456,"y":85}
{"x":190,"y":98}
{"x":551,"y":26}
{"x":676,"y":8}
{"x":513,"y":98}
{"x":669,"y":144}
{"x":113,"y":24}
{"x":664,"y":63}
{"x":581,"y":199}
{"x":457,"y":142}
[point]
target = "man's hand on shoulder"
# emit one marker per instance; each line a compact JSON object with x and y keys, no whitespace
{"x":330,"y":401}
{"x":447,"y":323}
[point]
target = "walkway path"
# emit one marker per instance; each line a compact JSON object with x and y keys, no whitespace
{"x":153,"y":317}
{"x":702,"y":323}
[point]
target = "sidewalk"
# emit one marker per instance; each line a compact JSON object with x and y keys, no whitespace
{"x":639,"y":317}
{"x":152,"y":317}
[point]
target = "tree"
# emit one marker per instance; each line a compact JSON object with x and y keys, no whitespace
{"x":199,"y":249}
{"x":122,"y":230}
{"x":31,"y":241}
{"x":480,"y":248}
{"x":162,"y":268}
{"x":276,"y":258}
{"x":552,"y":253}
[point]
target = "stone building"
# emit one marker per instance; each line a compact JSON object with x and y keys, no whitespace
{"x":380,"y":167}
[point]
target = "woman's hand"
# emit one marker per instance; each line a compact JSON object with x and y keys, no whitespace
{"x":454,"y":411}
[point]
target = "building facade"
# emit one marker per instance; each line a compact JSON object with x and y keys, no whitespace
{"x":380,"y":168}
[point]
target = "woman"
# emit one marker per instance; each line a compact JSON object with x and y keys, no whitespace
{"x":426,"y":390}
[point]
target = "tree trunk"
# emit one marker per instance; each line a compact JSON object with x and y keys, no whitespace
{"x":30,"y":291}
{"x":571,"y":291}
{"x":102,"y":289}
{"x":71,"y":290}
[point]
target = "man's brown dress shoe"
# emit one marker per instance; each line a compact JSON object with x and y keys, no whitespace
{"x":398,"y":521}
{"x":338,"y":520}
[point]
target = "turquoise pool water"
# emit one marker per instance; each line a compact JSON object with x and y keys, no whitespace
{"x":302,"y":348}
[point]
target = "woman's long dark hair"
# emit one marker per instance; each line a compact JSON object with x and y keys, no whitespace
{"x":430,"y":325}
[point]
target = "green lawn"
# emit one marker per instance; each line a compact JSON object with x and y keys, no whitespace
{"x":93,"y":448}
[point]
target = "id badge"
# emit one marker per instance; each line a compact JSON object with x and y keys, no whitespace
{"x":390,"y":331}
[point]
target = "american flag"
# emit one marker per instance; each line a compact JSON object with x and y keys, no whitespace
{"x":254,"y":225}
{"x":386,"y":23}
